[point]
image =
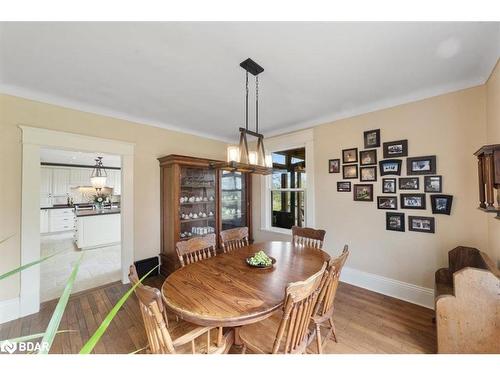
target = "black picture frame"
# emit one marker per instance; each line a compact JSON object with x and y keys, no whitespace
{"x":441,"y":207}
{"x":395,"y":149}
{"x":369,"y":190}
{"x":372,"y":138}
{"x":404,"y":203}
{"x":383,"y":199}
{"x":384,"y":164}
{"x":386,"y":186}
{"x":344,"y":186}
{"x":372,"y":154}
{"x":412,"y":169}
{"x":334,"y":166}
{"x":412,"y":220}
{"x":395,"y":221}
{"x":352,"y":152}
{"x":349,"y":166}
{"x":409,"y":183}
{"x":364,"y":179}
{"x":428,"y":180}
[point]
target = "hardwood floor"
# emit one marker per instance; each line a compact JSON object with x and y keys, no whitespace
{"x":366,"y":322}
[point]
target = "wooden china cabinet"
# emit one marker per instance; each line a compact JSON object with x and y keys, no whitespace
{"x":488,"y":164}
{"x":196,"y":199}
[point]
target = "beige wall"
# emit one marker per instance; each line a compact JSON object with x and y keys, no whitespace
{"x":493,"y":137}
{"x":451,"y":127}
{"x":150,"y":143}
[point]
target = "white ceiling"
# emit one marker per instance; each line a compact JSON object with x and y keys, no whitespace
{"x":50,"y":155}
{"x":186,"y":75}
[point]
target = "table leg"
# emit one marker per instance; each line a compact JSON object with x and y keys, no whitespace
{"x":237,"y":340}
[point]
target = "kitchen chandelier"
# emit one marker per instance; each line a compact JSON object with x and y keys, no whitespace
{"x":241,"y":158}
{"x":99,"y":175}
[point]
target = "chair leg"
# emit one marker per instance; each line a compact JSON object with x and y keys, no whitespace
{"x":318,"y":339}
{"x":334,"y":332}
{"x":244,"y":349}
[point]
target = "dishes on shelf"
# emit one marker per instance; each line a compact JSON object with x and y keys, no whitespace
{"x":196,"y":215}
{"x":196,"y":199}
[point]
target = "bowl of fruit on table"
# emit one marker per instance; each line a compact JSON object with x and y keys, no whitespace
{"x":261,"y":260}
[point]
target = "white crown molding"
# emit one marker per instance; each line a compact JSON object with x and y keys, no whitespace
{"x":379,"y":105}
{"x":389,"y":287}
{"x":9,"y":310}
{"x":84,"y":107}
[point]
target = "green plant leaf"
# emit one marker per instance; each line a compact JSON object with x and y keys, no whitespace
{"x":91,"y":343}
{"x":6,"y":238}
{"x":19,"y":269}
{"x":55,"y":320}
{"x":34,"y":336}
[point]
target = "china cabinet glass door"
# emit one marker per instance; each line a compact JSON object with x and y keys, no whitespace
{"x":233,"y":200}
{"x":197,"y":202}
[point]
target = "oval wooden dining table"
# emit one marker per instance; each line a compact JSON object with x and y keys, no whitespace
{"x":223,"y":291}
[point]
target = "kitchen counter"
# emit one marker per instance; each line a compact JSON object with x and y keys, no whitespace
{"x":104,"y":211}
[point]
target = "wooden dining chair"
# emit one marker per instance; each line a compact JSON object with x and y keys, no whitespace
{"x":308,"y":237}
{"x":235,"y":238}
{"x":196,"y":249}
{"x":173,"y":338}
{"x":286,"y":333}
{"x":323,"y":311}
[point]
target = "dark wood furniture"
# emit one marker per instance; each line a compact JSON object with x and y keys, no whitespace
{"x":467,"y":303}
{"x":308,"y":237}
{"x":488,"y":165}
{"x":216,"y":200}
{"x":323,"y":311}
{"x":288,"y":332}
{"x":179,"y":336}
{"x":225,"y":291}
{"x":232,"y":239}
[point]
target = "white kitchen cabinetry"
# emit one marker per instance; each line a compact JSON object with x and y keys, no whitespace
{"x":98,"y":230}
{"x":45,"y":187}
{"x":114,"y":181}
{"x":44,"y":221}
{"x":60,"y":181}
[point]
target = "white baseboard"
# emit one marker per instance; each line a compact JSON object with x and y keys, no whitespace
{"x":9,"y":310}
{"x":389,"y":287}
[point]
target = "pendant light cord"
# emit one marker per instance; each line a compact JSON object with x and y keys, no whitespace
{"x":257,"y":104}
{"x":246,"y":103}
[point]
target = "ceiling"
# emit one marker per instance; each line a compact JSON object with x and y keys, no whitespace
{"x":186,"y":76}
{"x":50,"y":155}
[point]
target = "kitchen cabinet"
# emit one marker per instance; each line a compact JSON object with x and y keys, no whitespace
{"x":60,"y":181}
{"x":45,"y":187}
{"x":44,"y":221}
{"x":114,"y":181}
{"x":80,"y":177}
{"x":98,"y":230}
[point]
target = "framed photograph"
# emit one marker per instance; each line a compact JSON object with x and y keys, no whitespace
{"x":350,"y":155}
{"x":409,"y":183}
{"x":389,"y":185}
{"x":421,"y":224}
{"x":390,"y":166}
{"x":368,"y":157}
{"x":368,"y":173}
{"x":343,"y":186}
{"x":372,"y":138}
{"x":350,"y":171}
{"x":387,"y":203}
{"x":441,"y":204}
{"x":433,"y":184}
{"x":413,"y":201}
{"x":363,"y":192}
{"x":421,"y":165}
{"x":334,"y":166}
{"x":395,"y":149}
{"x":395,"y":221}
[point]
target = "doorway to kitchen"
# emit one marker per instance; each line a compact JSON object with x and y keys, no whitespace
{"x":35,"y":139}
{"x":79,"y":215}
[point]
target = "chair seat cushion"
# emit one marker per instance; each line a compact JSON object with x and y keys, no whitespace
{"x":259,"y":337}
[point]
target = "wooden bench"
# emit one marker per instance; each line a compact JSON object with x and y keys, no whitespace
{"x":467,"y":302}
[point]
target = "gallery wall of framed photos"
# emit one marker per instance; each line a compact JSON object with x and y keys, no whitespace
{"x":417,"y":187}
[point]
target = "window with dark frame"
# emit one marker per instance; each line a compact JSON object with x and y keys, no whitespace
{"x":288,"y":203}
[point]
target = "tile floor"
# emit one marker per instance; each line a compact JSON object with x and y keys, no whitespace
{"x":98,"y":267}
